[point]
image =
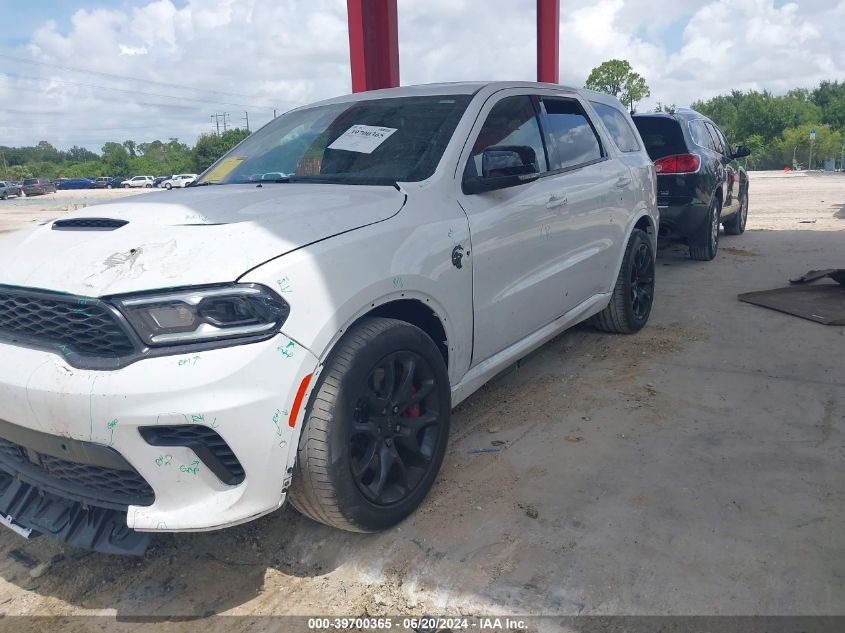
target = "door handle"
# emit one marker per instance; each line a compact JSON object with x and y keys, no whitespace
{"x":555,"y":201}
{"x":623,"y":182}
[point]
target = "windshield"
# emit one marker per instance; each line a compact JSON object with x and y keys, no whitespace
{"x":381,"y":141}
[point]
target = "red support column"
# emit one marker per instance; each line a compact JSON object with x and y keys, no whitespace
{"x":548,"y":41}
{"x":373,"y":44}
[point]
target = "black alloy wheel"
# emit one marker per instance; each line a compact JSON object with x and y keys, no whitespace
{"x":396,"y":427}
{"x":642,"y":281}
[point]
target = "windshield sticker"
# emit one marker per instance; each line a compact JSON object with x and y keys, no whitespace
{"x":362,"y":138}
{"x":223,"y":168}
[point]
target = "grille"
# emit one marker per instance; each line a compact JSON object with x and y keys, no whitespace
{"x":88,"y":224}
{"x":205,"y":442}
{"x":77,"y":480}
{"x":79,"y":325}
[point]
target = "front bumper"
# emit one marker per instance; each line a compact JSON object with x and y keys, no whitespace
{"x":244,"y":393}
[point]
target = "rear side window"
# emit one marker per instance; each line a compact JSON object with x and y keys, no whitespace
{"x":618,"y":126}
{"x":512,"y":121}
{"x":662,"y":136}
{"x":572,"y":139}
{"x":701,"y":136}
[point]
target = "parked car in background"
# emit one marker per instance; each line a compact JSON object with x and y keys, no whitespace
{"x":138,"y":181}
{"x":8,"y":188}
{"x":160,"y":179}
{"x":109,"y":182}
{"x":179,"y":180}
{"x":698,"y":187}
{"x":309,"y":337}
{"x":74,"y":183}
{"x":38,"y":186}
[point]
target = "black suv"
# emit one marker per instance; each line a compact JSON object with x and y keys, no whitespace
{"x":697,"y":186}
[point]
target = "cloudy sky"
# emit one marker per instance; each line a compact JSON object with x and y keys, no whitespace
{"x":82,"y":72}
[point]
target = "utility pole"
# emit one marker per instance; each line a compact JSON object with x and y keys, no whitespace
{"x":5,"y":166}
{"x":216,"y":118}
{"x":246,"y":118}
{"x":812,"y":142}
{"x":225,"y":114}
{"x":274,"y":113}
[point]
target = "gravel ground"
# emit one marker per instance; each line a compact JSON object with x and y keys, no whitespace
{"x":695,"y":468}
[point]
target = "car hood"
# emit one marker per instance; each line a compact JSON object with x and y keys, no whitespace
{"x":192,"y":236}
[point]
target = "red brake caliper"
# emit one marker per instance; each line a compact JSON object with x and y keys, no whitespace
{"x":414,"y":410}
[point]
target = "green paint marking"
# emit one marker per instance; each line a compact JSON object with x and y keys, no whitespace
{"x":163,"y":460}
{"x":277,"y":417}
{"x":110,"y":426}
{"x":287,"y":350}
{"x":192,"y":469}
{"x":198,"y":417}
{"x":398,"y":283}
{"x":189,"y":361}
{"x":284,"y":284}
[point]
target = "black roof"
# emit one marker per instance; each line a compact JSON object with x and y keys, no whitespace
{"x":685,"y":114}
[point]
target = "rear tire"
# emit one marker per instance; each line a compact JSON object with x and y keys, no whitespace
{"x":736,"y":224}
{"x":704,"y":246}
{"x":168,"y":186}
{"x":373,"y":440}
{"x":633,"y":294}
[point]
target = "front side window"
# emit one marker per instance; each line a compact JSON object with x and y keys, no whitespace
{"x":512,"y":121}
{"x":717,"y":141}
{"x":571,"y":133}
{"x":376,"y":141}
{"x":618,"y":126}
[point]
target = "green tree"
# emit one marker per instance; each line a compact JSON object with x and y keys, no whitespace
{"x":210,"y":147}
{"x":616,"y":77}
{"x":116,"y":159}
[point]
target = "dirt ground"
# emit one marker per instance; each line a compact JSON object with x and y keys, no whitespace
{"x":695,"y":468}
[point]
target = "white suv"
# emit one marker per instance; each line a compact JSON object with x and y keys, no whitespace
{"x":138,"y":181}
{"x":179,"y":180}
{"x":177,"y":367}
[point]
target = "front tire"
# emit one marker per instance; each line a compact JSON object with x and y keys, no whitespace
{"x":704,"y":246}
{"x":633,"y":294}
{"x":376,"y":428}
{"x":168,"y":186}
{"x":736,"y":224}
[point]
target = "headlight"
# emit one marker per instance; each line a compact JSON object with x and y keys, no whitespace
{"x":197,"y":315}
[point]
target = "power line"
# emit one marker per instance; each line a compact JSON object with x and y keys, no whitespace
{"x":129,"y":91}
{"x":121,"y":77}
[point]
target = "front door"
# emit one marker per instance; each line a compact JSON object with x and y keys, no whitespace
{"x":532,"y":249}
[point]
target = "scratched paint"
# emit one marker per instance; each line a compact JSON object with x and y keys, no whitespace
{"x":284,"y":284}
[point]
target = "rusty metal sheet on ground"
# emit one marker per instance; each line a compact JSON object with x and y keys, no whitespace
{"x":823,"y":303}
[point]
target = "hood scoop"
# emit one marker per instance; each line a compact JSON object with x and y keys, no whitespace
{"x":88,"y":224}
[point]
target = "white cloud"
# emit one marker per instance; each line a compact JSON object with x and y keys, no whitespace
{"x":236,"y":55}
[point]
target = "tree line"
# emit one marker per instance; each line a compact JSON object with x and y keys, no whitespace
{"x":156,"y":158}
{"x":777,"y":128}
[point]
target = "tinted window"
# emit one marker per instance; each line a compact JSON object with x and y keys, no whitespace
{"x":701,"y":135}
{"x":721,"y":139}
{"x":717,"y":141}
{"x":662,"y":136}
{"x":512,"y":121}
{"x":618,"y":126}
{"x":571,"y":134}
{"x":31,"y":181}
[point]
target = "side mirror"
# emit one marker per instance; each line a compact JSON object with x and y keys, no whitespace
{"x":503,"y":166}
{"x":741,"y":151}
